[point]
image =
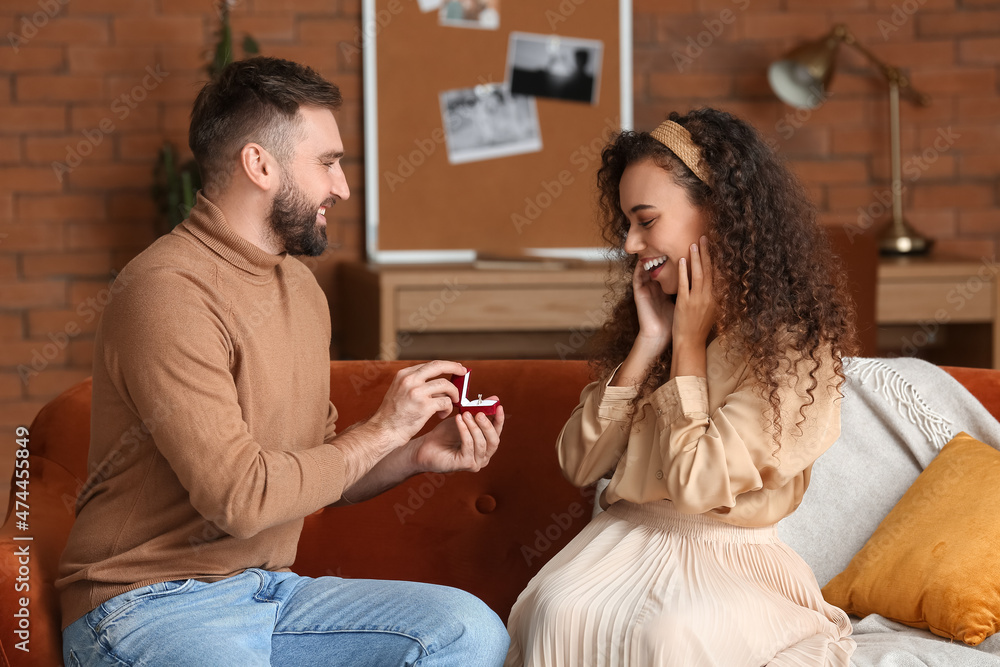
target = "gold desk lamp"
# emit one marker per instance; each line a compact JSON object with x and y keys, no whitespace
{"x":802,"y":78}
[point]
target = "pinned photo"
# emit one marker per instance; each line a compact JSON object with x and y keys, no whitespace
{"x":488,"y":122}
{"x":484,"y":14}
{"x":429,"y":5}
{"x":563,"y":68}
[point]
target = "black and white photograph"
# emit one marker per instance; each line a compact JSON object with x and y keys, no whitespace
{"x":483,"y":14}
{"x":563,"y":68}
{"x":429,"y":5}
{"x":487,"y":122}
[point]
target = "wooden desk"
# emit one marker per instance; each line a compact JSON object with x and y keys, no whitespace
{"x":935,"y":291}
{"x":419,"y":312}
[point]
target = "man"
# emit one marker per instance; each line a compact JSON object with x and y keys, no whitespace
{"x":213,"y":435}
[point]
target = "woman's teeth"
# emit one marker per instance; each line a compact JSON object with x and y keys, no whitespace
{"x":653,"y":263}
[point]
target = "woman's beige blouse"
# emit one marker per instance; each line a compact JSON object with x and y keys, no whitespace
{"x":705,"y":444}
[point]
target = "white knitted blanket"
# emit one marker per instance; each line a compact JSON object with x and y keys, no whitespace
{"x":895,"y":417}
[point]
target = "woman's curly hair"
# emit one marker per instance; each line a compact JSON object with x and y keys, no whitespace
{"x":778,"y":286}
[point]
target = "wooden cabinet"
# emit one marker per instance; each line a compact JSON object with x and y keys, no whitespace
{"x":932,"y":294}
{"x":420,"y":312}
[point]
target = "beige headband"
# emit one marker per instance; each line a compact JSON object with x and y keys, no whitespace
{"x":678,"y":139}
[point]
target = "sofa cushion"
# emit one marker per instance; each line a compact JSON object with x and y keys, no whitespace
{"x":934,"y":561}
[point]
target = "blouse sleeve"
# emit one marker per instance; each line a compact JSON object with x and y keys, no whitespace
{"x":597,"y":432}
{"x":709,"y":460}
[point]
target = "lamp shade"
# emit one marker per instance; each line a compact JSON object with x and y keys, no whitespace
{"x":802,"y":77}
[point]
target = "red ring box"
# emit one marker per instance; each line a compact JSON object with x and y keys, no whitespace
{"x":483,"y":405}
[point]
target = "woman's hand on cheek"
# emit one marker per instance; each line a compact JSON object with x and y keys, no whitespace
{"x":655,"y":309}
{"x":696,"y":307}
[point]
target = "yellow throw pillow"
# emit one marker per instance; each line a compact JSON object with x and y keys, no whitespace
{"x":934,"y":561}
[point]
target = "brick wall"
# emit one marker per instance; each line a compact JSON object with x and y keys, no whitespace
{"x":61,"y":90}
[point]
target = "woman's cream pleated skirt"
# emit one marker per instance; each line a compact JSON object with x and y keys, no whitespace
{"x":647,"y":586}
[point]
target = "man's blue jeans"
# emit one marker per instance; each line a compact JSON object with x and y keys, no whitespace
{"x":260,"y":618}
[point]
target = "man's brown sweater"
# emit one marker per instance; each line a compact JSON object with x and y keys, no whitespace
{"x":209,"y":419}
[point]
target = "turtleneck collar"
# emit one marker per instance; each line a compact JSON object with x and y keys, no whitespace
{"x":207,"y":222}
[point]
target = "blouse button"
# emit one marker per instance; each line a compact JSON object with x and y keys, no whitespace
{"x":659,"y":474}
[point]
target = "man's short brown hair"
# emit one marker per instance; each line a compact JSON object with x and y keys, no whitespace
{"x":254,"y":100}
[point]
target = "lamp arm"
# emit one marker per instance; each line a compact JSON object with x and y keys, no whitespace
{"x":888,"y":71}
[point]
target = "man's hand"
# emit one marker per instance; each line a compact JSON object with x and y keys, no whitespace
{"x":415,"y":395}
{"x":463,"y":442}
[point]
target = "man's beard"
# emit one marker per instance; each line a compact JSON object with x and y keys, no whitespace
{"x":293,"y":221}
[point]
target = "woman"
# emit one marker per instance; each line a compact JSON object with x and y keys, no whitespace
{"x":721,"y":373}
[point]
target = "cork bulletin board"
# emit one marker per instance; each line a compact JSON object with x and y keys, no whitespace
{"x":469,"y":145}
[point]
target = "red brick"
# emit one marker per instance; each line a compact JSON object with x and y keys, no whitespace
{"x":934,"y":165}
{"x":643,"y":29}
{"x":817,"y":5}
{"x":664,"y":6}
{"x":37,"y":58}
{"x":708,"y":31}
{"x":21,"y":413}
{"x":983,"y":221}
{"x":323,"y":59}
{"x":351,"y":8}
{"x":985,"y":137}
{"x":86,"y":236}
{"x":981,"y":4}
{"x":874,"y":27}
{"x":60,"y":208}
{"x":122,"y":256}
{"x":8,"y":268}
{"x":955,"y":81}
{"x":754,"y":84}
{"x":199,"y":7}
{"x":24,"y":119}
{"x":108,"y":59}
{"x":934,"y":24}
{"x":834,"y":112}
{"x":29,"y":179}
{"x":42,"y":321}
{"x":740,"y":6}
{"x":978,"y":107}
{"x":140,"y":146}
{"x":53,"y":381}
{"x":968,"y":195}
{"x":830,"y":171}
{"x":131,"y":207}
{"x":63,"y":30}
{"x":33,"y":236}
{"x":81,"y":352}
{"x":117,"y":7}
{"x":46,"y":88}
{"x":276,"y":26}
{"x":689,"y":86}
{"x":90,"y":117}
{"x":67,"y":264}
{"x":871,"y":140}
{"x":965,"y":248}
{"x":933,"y":223}
{"x":849,"y":197}
{"x":805,"y":141}
{"x":985,"y":165}
{"x":11,"y":388}
{"x":160,"y":30}
{"x":11,"y":326}
{"x":29,"y":294}
{"x":924,"y":4}
{"x":6,"y":209}
{"x":48,"y":149}
{"x":98,"y":176}
{"x":912,"y":55}
{"x":143,"y":93}
{"x":980,"y":51}
{"x":10,"y":150}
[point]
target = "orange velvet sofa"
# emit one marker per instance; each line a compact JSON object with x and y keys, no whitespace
{"x":487,"y":533}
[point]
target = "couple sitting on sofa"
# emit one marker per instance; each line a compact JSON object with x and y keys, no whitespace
{"x":213,"y":435}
